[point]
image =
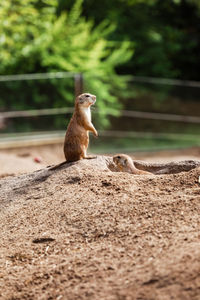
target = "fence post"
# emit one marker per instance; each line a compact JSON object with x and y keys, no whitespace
{"x":78,"y":84}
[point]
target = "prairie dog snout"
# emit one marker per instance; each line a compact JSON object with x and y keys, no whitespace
{"x":85,"y":100}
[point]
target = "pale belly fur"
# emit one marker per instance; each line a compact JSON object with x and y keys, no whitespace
{"x":87,"y":113}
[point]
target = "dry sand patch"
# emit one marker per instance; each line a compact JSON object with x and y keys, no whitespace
{"x":84,"y":233}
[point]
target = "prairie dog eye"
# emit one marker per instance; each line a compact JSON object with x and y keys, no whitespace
{"x":87,"y":95}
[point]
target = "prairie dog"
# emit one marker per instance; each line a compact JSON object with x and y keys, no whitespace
{"x":77,"y":136}
{"x":125,"y":164}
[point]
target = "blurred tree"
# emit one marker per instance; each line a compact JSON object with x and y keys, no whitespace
{"x":166,"y":34}
{"x":33,"y":38}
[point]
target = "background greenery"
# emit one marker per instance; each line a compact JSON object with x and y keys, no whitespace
{"x":165,"y":34}
{"x":106,"y":41}
{"x":35,"y":38}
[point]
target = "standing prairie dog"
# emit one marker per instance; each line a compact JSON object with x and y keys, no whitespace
{"x":77,"y":136}
{"x":125,"y":164}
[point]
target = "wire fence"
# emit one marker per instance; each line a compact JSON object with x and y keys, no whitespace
{"x":124,"y":113}
{"x":55,"y":137}
{"x":37,"y":76}
{"x":166,"y":81}
{"x":59,"y":75}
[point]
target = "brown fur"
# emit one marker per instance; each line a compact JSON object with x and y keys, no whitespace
{"x":77,"y":136}
{"x":125,"y":164}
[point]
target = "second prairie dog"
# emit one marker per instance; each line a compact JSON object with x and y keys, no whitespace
{"x":77,"y":136}
{"x":125,"y":164}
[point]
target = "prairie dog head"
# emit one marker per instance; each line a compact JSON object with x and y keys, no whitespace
{"x":123,"y":162}
{"x":85,"y":100}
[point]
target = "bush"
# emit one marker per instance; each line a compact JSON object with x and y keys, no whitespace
{"x":35,"y":39}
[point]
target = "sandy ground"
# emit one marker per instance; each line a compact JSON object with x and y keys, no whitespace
{"x":84,"y":232}
{"x":23,"y":160}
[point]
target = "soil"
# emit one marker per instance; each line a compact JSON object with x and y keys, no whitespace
{"x":84,"y":232}
{"x":22,"y":160}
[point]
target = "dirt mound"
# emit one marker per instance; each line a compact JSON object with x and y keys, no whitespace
{"x":85,"y":232}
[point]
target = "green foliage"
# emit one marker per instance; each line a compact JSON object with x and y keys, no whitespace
{"x":34,"y":39}
{"x":194,"y":2}
{"x":165,"y":33}
{"x":20,"y":30}
{"x":93,"y":37}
